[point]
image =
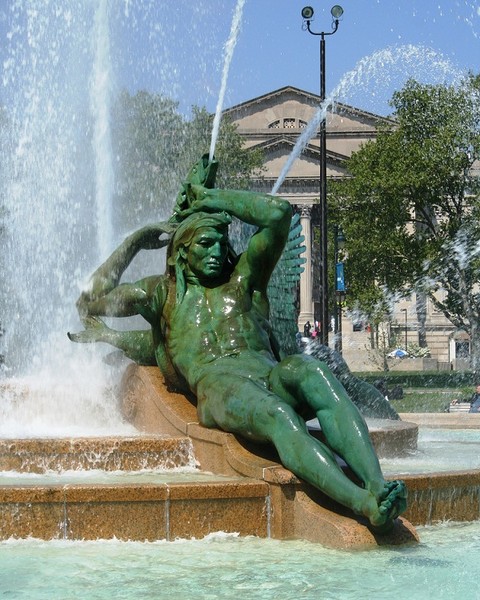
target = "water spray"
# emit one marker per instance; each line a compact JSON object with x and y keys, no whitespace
{"x":229,"y":48}
{"x":365,"y":70}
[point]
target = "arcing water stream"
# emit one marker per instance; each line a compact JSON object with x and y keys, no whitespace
{"x":229,"y":48}
{"x":381,"y":64}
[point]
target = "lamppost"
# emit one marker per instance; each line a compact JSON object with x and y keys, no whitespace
{"x":340,"y":289}
{"x":404,"y":310}
{"x":307,"y":14}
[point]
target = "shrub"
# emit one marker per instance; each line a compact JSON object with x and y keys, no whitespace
{"x":422,"y":379}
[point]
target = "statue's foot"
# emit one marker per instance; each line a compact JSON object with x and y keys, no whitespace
{"x":391,"y":503}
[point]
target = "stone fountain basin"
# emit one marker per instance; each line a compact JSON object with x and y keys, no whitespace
{"x":249,"y":491}
{"x":433,"y":497}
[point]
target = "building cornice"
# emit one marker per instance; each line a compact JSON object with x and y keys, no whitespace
{"x":313,"y":99}
{"x":295,"y":133}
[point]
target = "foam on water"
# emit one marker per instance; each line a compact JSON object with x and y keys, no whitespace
{"x":95,"y":477}
{"x":73,"y":398}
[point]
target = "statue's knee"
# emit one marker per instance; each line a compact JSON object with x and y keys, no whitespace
{"x":299,"y":371}
{"x":284,"y":417}
{"x":298,"y":363}
{"x":313,"y":368}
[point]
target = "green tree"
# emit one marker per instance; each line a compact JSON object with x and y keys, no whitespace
{"x":148,"y":136}
{"x":155,"y":147}
{"x":237,"y":164}
{"x":410,"y":210}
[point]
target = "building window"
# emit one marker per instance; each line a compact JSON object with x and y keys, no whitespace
{"x":462,"y":349}
{"x":287,"y":123}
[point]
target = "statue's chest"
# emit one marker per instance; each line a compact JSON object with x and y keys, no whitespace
{"x":204,"y":306}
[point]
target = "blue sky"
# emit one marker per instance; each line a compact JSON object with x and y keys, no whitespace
{"x":431,"y":40}
{"x":175,"y":47}
{"x":367,"y":27}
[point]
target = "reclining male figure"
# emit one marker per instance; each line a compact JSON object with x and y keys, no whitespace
{"x":210,"y":334}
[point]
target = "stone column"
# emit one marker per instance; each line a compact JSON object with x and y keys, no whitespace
{"x":306,"y":282}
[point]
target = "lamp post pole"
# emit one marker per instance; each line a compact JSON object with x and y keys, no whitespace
{"x":340,"y":289}
{"x":404,"y":310}
{"x":307,"y":14}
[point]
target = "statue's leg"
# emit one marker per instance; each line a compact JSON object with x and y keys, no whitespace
{"x":311,"y":382}
{"x":239,"y":405}
{"x":305,"y":380}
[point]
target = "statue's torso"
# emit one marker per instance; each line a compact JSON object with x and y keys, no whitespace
{"x":212,"y":324}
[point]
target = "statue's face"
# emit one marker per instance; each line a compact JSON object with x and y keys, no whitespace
{"x":207,"y":253}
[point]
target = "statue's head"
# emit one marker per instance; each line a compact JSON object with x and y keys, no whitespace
{"x":200,"y":248}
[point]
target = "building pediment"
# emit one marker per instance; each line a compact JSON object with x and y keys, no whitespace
{"x":286,"y":145}
{"x":291,"y":109}
{"x":277,"y":152}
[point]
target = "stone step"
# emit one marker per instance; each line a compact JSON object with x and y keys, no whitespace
{"x":42,"y":455}
{"x":48,"y":490}
{"x":137,"y":512}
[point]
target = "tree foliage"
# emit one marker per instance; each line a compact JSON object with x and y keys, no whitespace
{"x":155,"y":146}
{"x":410,"y":210}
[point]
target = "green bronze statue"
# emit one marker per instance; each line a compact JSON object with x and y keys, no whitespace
{"x":210,"y":335}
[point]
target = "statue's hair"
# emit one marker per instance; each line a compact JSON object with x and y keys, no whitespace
{"x":182,"y":238}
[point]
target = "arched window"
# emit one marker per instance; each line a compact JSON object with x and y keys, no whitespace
{"x":275,"y":125}
{"x":288,"y":123}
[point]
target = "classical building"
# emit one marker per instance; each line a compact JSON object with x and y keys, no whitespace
{"x":275,"y":123}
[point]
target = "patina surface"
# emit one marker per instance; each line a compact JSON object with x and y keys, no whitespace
{"x":210,"y":335}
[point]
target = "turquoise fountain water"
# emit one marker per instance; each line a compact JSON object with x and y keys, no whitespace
{"x":225,"y":566}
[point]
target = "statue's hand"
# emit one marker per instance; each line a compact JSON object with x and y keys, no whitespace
{"x":150,"y":237}
{"x":95,"y":330}
{"x":195,"y":200}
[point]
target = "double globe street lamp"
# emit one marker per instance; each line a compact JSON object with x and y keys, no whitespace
{"x":307,"y":14}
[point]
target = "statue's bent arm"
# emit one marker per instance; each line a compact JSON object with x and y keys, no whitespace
{"x":272,"y":215}
{"x":105,"y":280}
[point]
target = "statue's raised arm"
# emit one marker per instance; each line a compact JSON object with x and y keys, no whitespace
{"x":104,"y":295}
